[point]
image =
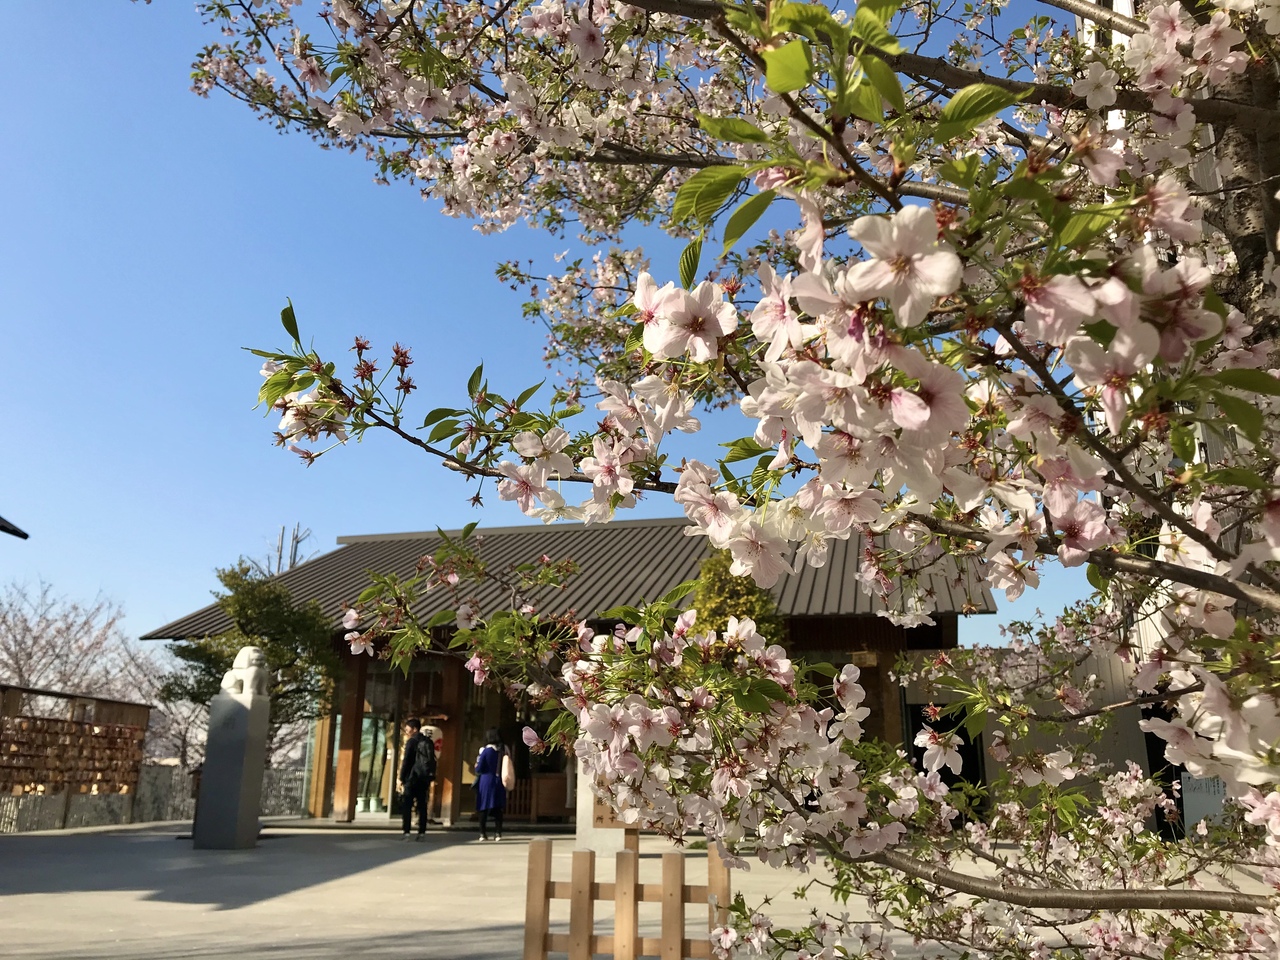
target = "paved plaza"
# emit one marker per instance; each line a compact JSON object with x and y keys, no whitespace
{"x":308,"y":892}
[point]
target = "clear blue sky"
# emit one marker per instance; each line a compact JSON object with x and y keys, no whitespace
{"x":150,"y":236}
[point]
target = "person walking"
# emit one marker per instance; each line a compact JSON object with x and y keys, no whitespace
{"x":417,"y":770}
{"x":491,"y":795}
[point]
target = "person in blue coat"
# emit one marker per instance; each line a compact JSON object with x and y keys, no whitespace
{"x":491,"y":795}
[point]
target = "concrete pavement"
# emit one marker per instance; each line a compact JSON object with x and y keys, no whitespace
{"x":305,"y":893}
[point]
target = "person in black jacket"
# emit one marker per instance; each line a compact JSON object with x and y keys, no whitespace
{"x":417,"y":770}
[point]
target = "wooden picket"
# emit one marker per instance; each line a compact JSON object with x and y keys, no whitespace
{"x":627,"y":893}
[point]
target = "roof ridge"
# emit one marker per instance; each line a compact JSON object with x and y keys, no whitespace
{"x":516,"y":528}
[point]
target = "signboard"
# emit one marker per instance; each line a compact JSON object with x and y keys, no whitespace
{"x":1201,"y":799}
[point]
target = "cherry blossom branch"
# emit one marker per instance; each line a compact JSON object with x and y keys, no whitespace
{"x":1108,"y":456}
{"x":1067,"y":899}
{"x":1128,"y":563}
{"x":1210,"y":109}
{"x":1132,"y":702}
{"x":802,"y":117}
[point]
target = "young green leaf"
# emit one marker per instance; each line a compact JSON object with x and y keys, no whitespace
{"x":1242,"y":413}
{"x":885,"y":82}
{"x":744,"y":218}
{"x":973,"y":105}
{"x":1250,"y":380}
{"x":689,"y":260}
{"x":789,"y":67}
{"x":705,"y":192}
{"x":290,"y":322}
{"x":733,"y":129}
{"x":473,"y":382}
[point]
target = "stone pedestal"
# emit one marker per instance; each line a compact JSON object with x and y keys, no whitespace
{"x":231,"y":781}
{"x":594,"y":825}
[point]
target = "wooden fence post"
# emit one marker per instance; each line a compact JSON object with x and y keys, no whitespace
{"x":673,"y":906}
{"x":717,"y":887}
{"x":626,"y":906}
{"x":537,"y":910}
{"x":582,"y":906}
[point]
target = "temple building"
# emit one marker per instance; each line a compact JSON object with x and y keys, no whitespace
{"x":352,"y":752}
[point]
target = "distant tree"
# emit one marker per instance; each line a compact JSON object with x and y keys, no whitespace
{"x":295,"y":638}
{"x":720,"y":595}
{"x":50,"y":642}
{"x":54,"y":643}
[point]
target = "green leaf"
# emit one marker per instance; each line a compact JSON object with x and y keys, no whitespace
{"x":881,"y":10}
{"x":869,"y":27}
{"x":864,"y":102}
{"x":744,"y":449}
{"x":1215,"y":303}
{"x":1183,"y":440}
{"x":635,"y":339}
{"x":705,"y":192}
{"x":438,"y":414}
{"x":962,"y":171}
{"x":275,"y":387}
{"x":971,"y":106}
{"x":689,"y":263}
{"x":1237,"y":477}
{"x":626,"y":614}
{"x":679,"y":592}
{"x":789,"y":67}
{"x":733,"y":129}
{"x":468,"y":530}
{"x":290,"y":322}
{"x":524,"y":397}
{"x":1250,"y":381}
{"x":1084,"y":225}
{"x":473,"y":381}
{"x":751,"y":701}
{"x":885,"y":81}
{"x":442,"y":429}
{"x":1242,"y":413}
{"x":440,"y":619}
{"x":1096,"y":577}
{"x":744,"y":218}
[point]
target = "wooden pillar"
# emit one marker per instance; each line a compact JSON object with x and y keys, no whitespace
{"x":347,"y":780}
{"x":672,"y":906}
{"x":537,"y":909}
{"x":449,"y":766}
{"x":626,"y":906}
{"x":320,"y":778}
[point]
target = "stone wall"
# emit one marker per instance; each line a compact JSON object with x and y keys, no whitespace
{"x":163,"y":793}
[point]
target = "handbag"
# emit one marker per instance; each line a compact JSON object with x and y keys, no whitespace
{"x":508,"y":772}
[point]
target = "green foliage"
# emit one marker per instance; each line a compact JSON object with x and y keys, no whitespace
{"x":720,"y":595}
{"x":297,"y":641}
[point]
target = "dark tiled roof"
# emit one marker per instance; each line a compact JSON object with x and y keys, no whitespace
{"x":622,"y":562}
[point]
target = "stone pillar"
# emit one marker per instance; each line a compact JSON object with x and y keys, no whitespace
{"x":235,"y":758}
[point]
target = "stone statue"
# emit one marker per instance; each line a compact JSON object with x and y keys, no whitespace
{"x":248,"y":674}
{"x":235,"y":757}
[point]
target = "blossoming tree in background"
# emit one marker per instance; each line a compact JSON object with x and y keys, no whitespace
{"x":1016,"y":308}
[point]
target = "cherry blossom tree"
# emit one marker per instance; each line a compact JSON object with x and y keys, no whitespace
{"x":992,"y":285}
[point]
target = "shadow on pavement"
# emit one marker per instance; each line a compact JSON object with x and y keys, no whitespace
{"x":483,"y":942}
{"x":166,"y":869}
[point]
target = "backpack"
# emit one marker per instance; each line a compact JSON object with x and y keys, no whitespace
{"x":424,"y":761}
{"x":508,"y":771}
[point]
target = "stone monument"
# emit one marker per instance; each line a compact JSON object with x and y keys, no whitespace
{"x":234,"y":758}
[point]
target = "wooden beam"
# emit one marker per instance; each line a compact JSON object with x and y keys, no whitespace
{"x":453,"y":697}
{"x":320,"y":776}
{"x":347,"y":780}
{"x":537,"y":905}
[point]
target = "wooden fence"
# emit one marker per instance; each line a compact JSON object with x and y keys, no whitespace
{"x":626,"y":893}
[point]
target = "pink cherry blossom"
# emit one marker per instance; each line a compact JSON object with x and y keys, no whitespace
{"x":909,"y":267}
